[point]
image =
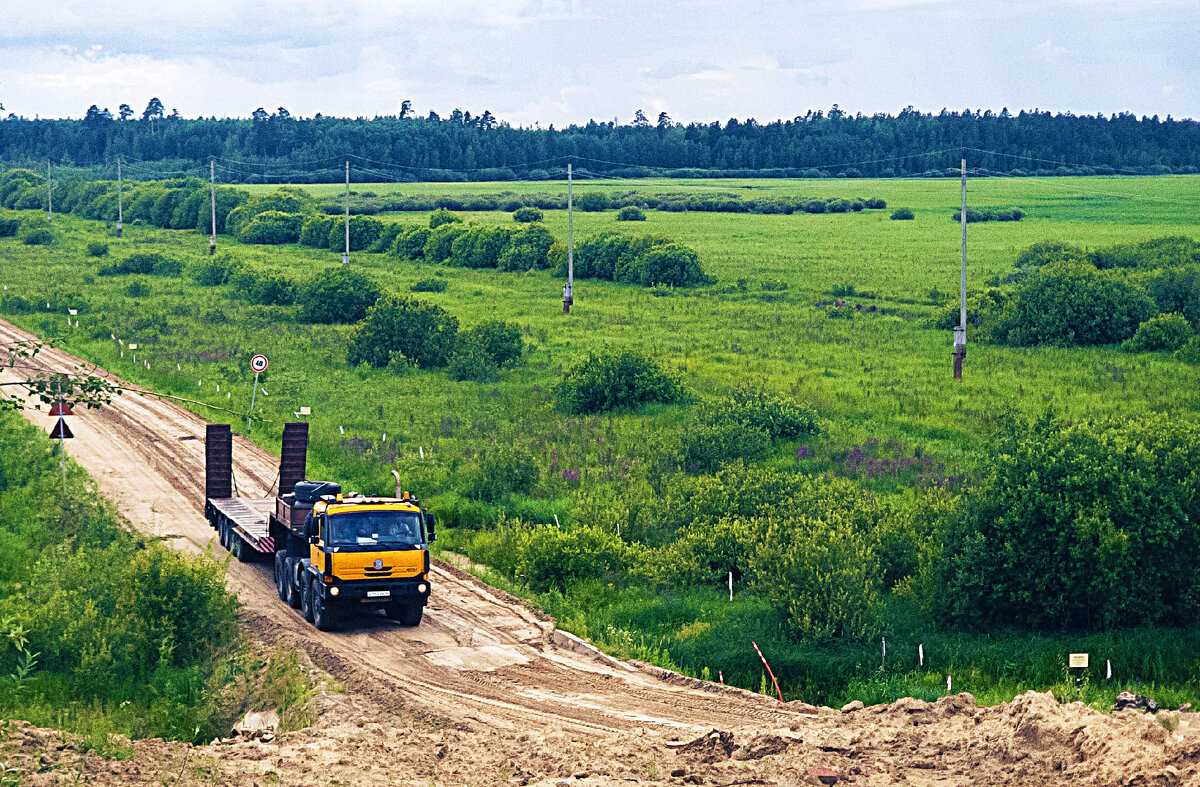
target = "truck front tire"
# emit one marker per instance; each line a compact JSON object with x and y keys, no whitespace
{"x":306,"y":607}
{"x":405,"y":614}
{"x":322,"y":616}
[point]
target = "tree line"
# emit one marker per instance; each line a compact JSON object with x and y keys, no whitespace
{"x":277,"y":146}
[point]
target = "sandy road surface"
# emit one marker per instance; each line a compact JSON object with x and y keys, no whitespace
{"x":480,"y":693}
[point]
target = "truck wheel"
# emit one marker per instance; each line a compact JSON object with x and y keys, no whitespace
{"x":306,"y":600}
{"x":293,"y":592}
{"x":280,"y":575}
{"x":322,"y":616}
{"x":242,"y":550}
{"x":405,"y":614}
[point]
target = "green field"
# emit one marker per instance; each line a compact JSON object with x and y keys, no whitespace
{"x":881,"y":375}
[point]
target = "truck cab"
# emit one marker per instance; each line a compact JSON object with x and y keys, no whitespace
{"x":366,"y":551}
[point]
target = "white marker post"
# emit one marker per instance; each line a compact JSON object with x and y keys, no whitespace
{"x":258,"y":364}
{"x":731,"y":586}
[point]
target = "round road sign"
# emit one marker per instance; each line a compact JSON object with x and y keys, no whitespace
{"x":258,"y":363}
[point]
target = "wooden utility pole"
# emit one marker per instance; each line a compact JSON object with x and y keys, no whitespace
{"x":49,"y":194}
{"x":212,"y":185}
{"x":346,"y":253}
{"x":960,"y":333}
{"x":569,"y":287}
{"x":120,"y":206}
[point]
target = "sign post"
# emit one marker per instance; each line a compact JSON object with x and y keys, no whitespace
{"x":62,"y":432}
{"x":1077,"y":663}
{"x":259,"y":365}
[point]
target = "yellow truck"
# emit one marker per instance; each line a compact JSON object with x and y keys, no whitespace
{"x":331,"y":551}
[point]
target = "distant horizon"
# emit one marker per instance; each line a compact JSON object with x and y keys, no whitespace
{"x":537,"y":63}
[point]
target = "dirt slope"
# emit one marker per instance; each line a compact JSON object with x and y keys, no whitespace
{"x":485,"y":691}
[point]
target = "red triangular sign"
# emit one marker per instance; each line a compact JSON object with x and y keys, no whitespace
{"x":61,"y":431}
{"x":61,"y":408}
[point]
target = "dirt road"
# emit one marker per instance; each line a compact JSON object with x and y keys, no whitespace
{"x":485,"y":690}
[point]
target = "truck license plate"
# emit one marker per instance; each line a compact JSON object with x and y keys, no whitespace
{"x":378,"y":593}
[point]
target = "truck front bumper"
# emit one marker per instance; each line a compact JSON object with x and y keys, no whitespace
{"x":415,"y":589}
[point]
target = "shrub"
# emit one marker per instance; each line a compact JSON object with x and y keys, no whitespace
{"x":1077,"y":526}
{"x":441,"y":240}
{"x":752,"y":406}
{"x":316,"y":230}
{"x":137,"y":289}
{"x":430,"y":285}
{"x":272,"y":227}
{"x":774,"y":285}
{"x":144,"y":264}
{"x":528,"y":249}
{"x":265,"y":289}
{"x":875,"y":203}
{"x":820,"y":573}
{"x":667,"y":263}
{"x":9,"y":227}
{"x":471,"y":362}
{"x":410,"y":244}
{"x":1047,"y":251}
{"x":213,"y":271}
{"x":601,"y":383}
{"x":364,"y":231}
{"x":337,"y":295}
{"x":425,"y":333}
{"x":442,"y":216}
{"x":500,"y":341}
{"x":32,"y":234}
{"x":706,"y":446}
{"x":1190,"y":352}
{"x":592,"y":201}
{"x":550,"y":558}
{"x":1164,"y":332}
{"x":902,"y":214}
{"x":527,"y":215}
{"x":96,"y":249}
{"x":503,"y":472}
{"x":1071,"y":303}
{"x":631,"y":213}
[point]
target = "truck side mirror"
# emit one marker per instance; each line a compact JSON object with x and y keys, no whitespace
{"x":310,"y":527}
{"x":314,"y":539}
{"x":430,"y":525}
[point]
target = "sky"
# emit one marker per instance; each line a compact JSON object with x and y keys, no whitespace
{"x":542,"y":62}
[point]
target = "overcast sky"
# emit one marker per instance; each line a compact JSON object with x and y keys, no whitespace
{"x":565,"y":61}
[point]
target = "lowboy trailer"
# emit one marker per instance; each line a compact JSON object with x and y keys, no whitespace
{"x":330,"y":551}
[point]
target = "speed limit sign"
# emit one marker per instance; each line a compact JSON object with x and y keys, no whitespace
{"x":258,"y":363}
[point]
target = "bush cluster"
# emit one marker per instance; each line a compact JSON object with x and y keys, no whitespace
{"x":550,"y":558}
{"x":646,"y":260}
{"x":1162,"y":332}
{"x":902,"y":214}
{"x":1084,"y":525}
{"x":482,"y":351}
{"x":144,"y":264}
{"x":96,"y":249}
{"x":527,"y":215}
{"x":337,"y":295}
{"x":975,"y":215}
{"x":602,"y":383}
{"x":429,"y":285}
{"x":264,"y":289}
{"x":422,"y":333}
{"x":9,"y":227}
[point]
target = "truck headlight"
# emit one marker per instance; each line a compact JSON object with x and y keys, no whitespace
{"x":333,"y":591}
{"x":421,"y":588}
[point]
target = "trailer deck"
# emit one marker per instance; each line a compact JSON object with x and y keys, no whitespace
{"x":245,"y":517}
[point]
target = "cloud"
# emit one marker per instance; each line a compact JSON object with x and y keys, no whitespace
{"x":678,"y":68}
{"x":1048,"y":51}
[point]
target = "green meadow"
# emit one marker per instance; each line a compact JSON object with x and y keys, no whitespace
{"x":878,"y":376}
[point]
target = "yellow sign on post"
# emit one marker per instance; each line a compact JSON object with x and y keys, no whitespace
{"x":1077,"y":661}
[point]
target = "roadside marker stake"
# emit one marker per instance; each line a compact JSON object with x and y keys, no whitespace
{"x":948,"y":684}
{"x":1108,"y":669}
{"x":556,"y":522}
{"x":421,"y":448}
{"x":731,"y":586}
{"x":769,"y":671}
{"x":341,"y":430}
{"x":920,"y":655}
{"x":883,"y":651}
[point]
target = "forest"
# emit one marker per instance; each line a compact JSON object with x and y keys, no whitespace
{"x":279,"y":147}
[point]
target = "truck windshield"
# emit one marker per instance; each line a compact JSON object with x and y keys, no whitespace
{"x":375,"y":528}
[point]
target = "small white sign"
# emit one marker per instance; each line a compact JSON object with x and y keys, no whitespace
{"x":1077,"y":661}
{"x":132,"y":346}
{"x":305,"y":411}
{"x":72,"y":312}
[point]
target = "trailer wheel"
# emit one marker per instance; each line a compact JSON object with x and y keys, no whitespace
{"x":293,"y":592}
{"x":322,"y":616}
{"x":242,"y":550}
{"x":405,"y":614}
{"x":221,"y":534}
{"x":306,"y":607}
{"x":279,"y":574}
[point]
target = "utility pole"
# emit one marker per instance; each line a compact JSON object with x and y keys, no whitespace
{"x":346,"y":253}
{"x":960,"y":333}
{"x":212,"y":184}
{"x":120,"y":207}
{"x":49,"y":194}
{"x":569,"y":287}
